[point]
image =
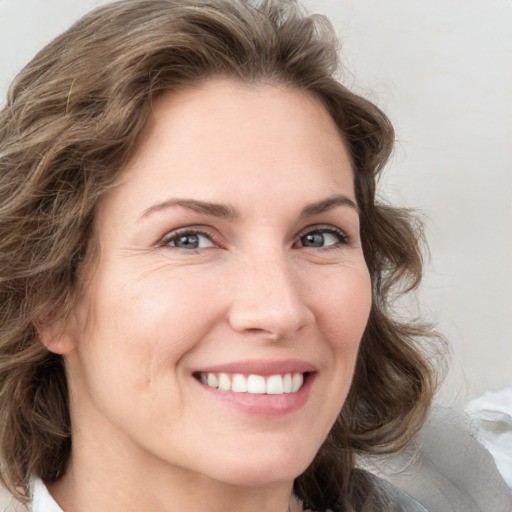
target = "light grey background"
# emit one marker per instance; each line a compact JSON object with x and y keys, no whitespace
{"x":442,"y":70}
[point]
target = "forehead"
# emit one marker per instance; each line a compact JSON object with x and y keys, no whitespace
{"x":225,"y":138}
{"x":242,"y":106}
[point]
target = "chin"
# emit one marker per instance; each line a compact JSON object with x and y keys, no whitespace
{"x":258,"y":471}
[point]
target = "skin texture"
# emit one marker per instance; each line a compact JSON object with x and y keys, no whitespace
{"x":146,"y":434}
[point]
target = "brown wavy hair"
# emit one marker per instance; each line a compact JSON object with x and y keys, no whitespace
{"x":72,"y":118}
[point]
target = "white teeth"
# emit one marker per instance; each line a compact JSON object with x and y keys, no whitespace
{"x":254,"y":384}
{"x":224,"y":382}
{"x":212,"y":380}
{"x":297,"y":381}
{"x":239,"y":384}
{"x":275,"y":385}
{"x":287,"y":383}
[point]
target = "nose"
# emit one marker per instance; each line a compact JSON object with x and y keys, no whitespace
{"x":267,"y":298}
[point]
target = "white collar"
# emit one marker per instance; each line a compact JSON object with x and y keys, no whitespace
{"x":42,"y":500}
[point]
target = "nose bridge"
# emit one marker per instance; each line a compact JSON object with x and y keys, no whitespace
{"x":268,"y":297}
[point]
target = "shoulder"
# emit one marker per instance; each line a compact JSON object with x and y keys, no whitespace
{"x":379,"y":495}
{"x":448,"y":470}
{"x":391,"y":498}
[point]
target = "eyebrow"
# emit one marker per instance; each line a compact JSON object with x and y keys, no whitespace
{"x":228,"y":212}
{"x":214,"y":209}
{"x":328,"y":204}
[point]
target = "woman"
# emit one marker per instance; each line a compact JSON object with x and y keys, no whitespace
{"x":196,"y":275}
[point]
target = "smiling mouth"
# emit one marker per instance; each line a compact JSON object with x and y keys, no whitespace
{"x":278,"y":384}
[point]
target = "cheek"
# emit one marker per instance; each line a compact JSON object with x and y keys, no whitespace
{"x":342,"y":307}
{"x":147,"y":324}
{"x":176,"y":310}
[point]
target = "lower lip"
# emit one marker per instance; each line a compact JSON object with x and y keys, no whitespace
{"x":264,"y":405}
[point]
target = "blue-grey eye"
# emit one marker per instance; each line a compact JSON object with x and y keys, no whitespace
{"x":189,"y":241}
{"x":313,"y":240}
{"x":321,"y":239}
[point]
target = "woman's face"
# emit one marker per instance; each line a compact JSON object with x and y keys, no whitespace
{"x":229,"y":256}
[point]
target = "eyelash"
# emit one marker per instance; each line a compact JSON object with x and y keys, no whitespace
{"x":343,"y":238}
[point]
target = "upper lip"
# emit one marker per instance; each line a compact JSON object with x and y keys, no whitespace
{"x":261,"y":367}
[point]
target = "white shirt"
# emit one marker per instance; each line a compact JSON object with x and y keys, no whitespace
{"x":42,"y":500}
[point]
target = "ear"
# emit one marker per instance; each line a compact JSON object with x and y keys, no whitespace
{"x":56,"y":335}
